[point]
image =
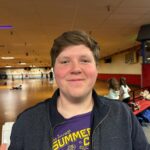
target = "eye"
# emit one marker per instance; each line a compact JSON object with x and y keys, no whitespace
{"x":64,"y":61}
{"x":85,"y":60}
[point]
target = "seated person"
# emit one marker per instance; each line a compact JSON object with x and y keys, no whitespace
{"x":17,"y":87}
{"x":114,"y":89}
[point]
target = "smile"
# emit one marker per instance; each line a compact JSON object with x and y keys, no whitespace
{"x":76,"y":80}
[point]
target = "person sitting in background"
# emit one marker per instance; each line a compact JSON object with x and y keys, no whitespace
{"x":19,"y":87}
{"x":114,"y":89}
{"x":124,"y":90}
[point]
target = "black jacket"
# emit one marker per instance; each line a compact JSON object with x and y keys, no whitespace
{"x":114,"y":126}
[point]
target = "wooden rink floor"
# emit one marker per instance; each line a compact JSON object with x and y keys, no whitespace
{"x":13,"y":102}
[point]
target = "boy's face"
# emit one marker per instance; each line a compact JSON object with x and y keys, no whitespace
{"x":75,"y":71}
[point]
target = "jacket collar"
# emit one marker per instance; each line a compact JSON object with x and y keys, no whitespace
{"x":53,"y":110}
{"x":100,"y":110}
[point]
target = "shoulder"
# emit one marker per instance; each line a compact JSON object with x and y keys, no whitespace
{"x":122,"y":87}
{"x":128,"y":87}
{"x":112,"y":110}
{"x":101,"y":101}
{"x":37,"y":108}
{"x":112,"y":91}
{"x":31,"y":121}
{"x":33,"y":114}
{"x":115,"y":106}
{"x":108,"y":101}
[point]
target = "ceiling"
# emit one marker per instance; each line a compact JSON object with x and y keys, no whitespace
{"x":36,"y":23}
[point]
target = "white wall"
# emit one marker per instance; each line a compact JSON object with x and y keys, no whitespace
{"x":118,"y":66}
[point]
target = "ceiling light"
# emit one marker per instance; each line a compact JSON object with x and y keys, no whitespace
{"x":6,"y":27}
{"x":8,"y":66}
{"x":22,"y":63}
{"x":7,"y":58}
{"x":32,"y":66}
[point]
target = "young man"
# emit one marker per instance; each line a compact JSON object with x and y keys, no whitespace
{"x":76,"y":117}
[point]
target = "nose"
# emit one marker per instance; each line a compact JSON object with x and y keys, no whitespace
{"x":76,"y":68}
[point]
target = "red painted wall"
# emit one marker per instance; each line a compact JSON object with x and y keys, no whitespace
{"x":134,"y":79}
{"x":145,"y":75}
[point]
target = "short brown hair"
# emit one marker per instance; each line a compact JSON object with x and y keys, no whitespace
{"x":70,"y":38}
{"x":123,"y":81}
{"x":114,"y":84}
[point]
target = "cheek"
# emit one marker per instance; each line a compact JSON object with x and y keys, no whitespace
{"x":60,"y":72}
{"x":92,"y":72}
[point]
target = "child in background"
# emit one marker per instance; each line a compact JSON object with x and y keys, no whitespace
{"x":114,"y":89}
{"x":124,"y":90}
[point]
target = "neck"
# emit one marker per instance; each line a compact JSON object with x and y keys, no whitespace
{"x":69,"y":108}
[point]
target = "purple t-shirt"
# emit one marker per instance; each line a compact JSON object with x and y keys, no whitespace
{"x":73,"y":134}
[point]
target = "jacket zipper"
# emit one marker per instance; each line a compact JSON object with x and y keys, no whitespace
{"x":96,"y":128}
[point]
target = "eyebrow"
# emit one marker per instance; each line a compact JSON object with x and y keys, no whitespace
{"x":79,"y":56}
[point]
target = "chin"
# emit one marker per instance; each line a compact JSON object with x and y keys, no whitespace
{"x":78,"y":94}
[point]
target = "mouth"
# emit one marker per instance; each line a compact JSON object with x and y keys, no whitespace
{"x":75,"y":80}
